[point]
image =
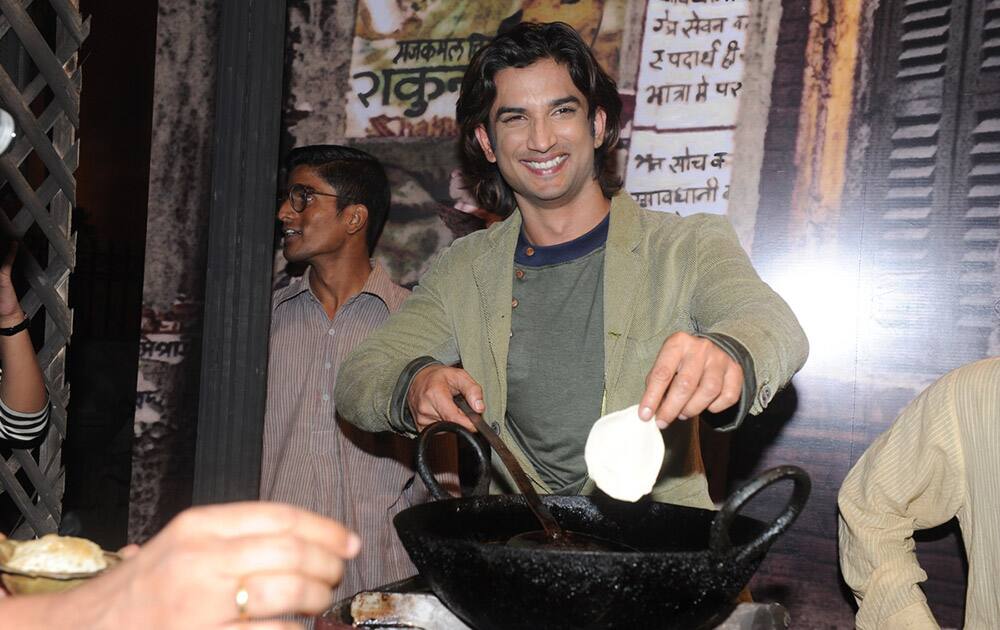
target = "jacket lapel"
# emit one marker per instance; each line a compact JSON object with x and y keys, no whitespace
{"x":624,"y":272}
{"x":492,"y":272}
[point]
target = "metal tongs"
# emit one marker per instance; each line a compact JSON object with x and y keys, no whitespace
{"x":552,"y":529}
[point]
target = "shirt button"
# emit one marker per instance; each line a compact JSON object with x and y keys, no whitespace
{"x":328,"y":365}
{"x":330,"y":332}
{"x":513,"y":303}
{"x":519,"y":274}
{"x":326,"y":397}
{"x":529,"y":251}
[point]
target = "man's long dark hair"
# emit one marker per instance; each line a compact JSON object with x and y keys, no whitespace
{"x":520,"y":47}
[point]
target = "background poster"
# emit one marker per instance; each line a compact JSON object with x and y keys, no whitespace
{"x":399,"y":87}
{"x":687,"y":105}
{"x":407,"y":63}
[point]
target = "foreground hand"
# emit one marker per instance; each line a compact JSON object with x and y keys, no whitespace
{"x":3,"y":593}
{"x":188,"y":576}
{"x":691,"y":374}
{"x":432,"y":392}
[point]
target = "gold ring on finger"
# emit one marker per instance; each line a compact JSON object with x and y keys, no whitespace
{"x":242,"y":602}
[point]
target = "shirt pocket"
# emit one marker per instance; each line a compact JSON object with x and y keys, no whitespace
{"x":641,"y":351}
{"x":323,"y":442}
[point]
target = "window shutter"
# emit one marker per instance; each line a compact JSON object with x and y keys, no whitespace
{"x":977,"y":211}
{"x":930,"y":218}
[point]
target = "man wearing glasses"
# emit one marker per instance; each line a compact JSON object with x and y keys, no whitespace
{"x":335,"y":208}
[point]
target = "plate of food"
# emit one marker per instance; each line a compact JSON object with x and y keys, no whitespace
{"x":51,"y":563}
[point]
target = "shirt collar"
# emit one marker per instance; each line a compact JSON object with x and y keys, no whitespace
{"x":563,"y":252}
{"x":381,"y":286}
{"x":378,"y":284}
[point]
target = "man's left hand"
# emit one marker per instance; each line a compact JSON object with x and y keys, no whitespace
{"x":691,"y":374}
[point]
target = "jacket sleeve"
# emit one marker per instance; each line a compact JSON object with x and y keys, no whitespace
{"x":730,"y":299}
{"x":422,"y":327}
{"x":729,"y":419}
{"x":911,"y":477}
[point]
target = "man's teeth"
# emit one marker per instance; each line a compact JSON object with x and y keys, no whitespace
{"x":544,"y":166}
{"x":292,"y":232}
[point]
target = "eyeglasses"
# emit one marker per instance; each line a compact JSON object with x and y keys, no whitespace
{"x":300,"y":196}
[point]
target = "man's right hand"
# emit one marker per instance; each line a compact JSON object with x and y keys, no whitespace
{"x":432,"y":392}
{"x":283,"y":560}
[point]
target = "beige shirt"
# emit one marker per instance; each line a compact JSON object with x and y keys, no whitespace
{"x":940,"y":459}
{"x":315,"y":460}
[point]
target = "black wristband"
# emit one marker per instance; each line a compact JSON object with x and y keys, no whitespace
{"x":13,"y":330}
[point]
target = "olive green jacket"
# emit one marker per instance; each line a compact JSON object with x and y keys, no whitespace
{"x":663,"y":274}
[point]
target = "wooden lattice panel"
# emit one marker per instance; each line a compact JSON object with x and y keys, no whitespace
{"x":45,"y":105}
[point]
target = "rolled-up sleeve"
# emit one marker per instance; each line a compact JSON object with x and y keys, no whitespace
{"x":911,"y":477}
{"x":16,"y":426}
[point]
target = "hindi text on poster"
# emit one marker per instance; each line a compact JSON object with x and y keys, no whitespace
{"x":687,"y":102}
{"x":407,"y":88}
{"x":692,"y":64}
{"x":681,"y":172}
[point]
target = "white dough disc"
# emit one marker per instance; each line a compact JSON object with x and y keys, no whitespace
{"x":624,"y":454}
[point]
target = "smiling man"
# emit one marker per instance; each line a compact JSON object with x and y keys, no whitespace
{"x":331,"y":216}
{"x":580,"y":302}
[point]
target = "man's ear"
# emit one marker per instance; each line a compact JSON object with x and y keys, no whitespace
{"x":484,"y":142}
{"x":600,"y":119}
{"x":357,"y":217}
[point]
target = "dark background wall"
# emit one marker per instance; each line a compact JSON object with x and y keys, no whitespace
{"x":166,"y":401}
{"x":106,"y":288}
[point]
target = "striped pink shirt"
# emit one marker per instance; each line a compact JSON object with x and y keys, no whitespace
{"x":315,"y":460}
